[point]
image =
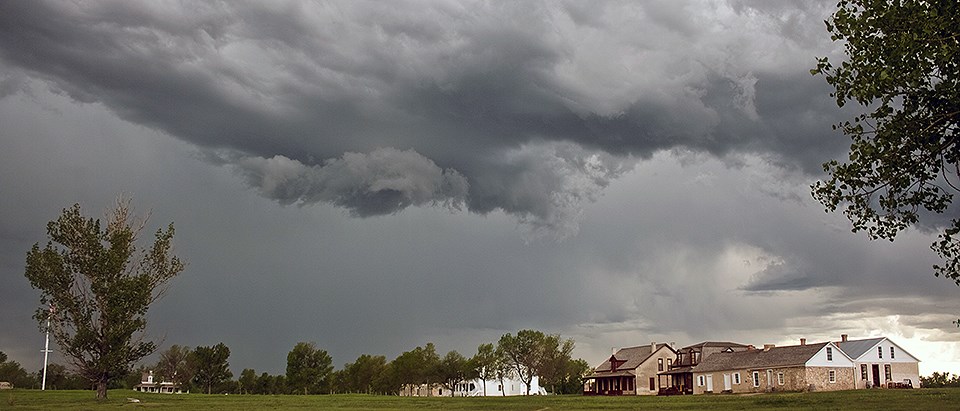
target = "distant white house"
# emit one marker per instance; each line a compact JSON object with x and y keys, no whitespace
{"x":475,"y":388}
{"x":147,"y":384}
{"x":496,"y":388}
{"x":880,"y":362}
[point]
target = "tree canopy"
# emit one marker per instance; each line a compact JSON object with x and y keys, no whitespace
{"x":903,"y":66}
{"x":98,"y":286}
{"x":308,"y":368}
{"x":174,"y":366}
{"x":210,"y":366}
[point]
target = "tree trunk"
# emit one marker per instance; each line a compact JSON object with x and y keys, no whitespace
{"x":102,"y":389}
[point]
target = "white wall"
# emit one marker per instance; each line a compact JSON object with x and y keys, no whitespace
{"x":839,"y":358}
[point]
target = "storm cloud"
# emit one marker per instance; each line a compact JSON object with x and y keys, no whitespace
{"x":472,"y":88}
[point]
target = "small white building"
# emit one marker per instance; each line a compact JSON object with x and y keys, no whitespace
{"x":475,"y":388}
{"x":497,"y":388}
{"x":147,"y":384}
{"x":880,"y":362}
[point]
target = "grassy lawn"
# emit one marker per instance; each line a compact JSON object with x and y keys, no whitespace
{"x":917,"y":399}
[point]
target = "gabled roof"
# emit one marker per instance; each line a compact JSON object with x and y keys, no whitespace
{"x":856,"y":348}
{"x":715,"y":344}
{"x":634,"y":356}
{"x":793,"y":355}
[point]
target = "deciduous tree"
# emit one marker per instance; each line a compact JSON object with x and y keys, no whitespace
{"x":102,"y":285}
{"x":485,"y":363}
{"x":903,"y":67}
{"x":453,"y":369}
{"x":556,"y":359}
{"x":174,"y":366}
{"x":308,"y":368}
{"x":524,"y":353}
{"x":210,"y":366}
{"x":12,"y":372}
{"x":248,"y":381}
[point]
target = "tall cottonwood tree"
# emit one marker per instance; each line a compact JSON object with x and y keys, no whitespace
{"x":524,"y":353}
{"x":210,"y":366}
{"x":308,"y":368}
{"x":903,"y":66}
{"x":101,"y":285}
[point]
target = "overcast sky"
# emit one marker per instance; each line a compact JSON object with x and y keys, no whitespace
{"x":373,"y":176}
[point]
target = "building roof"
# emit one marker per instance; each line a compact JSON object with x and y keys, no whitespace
{"x":715,"y":344}
{"x":856,"y":348}
{"x":634,"y":356}
{"x":774,"y":357}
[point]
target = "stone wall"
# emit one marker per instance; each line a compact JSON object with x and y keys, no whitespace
{"x":794,"y":379}
{"x":818,"y":378}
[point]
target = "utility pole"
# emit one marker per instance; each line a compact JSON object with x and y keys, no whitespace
{"x":46,"y":351}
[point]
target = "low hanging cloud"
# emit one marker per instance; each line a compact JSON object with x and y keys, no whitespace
{"x":384,"y":181}
{"x":545,"y":187}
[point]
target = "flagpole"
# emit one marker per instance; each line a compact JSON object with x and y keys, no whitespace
{"x":46,"y":352}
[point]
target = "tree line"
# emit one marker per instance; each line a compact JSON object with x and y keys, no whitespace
{"x":310,"y":370}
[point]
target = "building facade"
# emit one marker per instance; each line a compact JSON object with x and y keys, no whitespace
{"x":881,"y":363}
{"x":631,"y":371}
{"x":804,"y":367}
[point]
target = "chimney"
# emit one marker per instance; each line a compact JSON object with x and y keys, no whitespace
{"x":767,"y":347}
{"x":673,"y":344}
{"x":803,"y":341}
{"x":653,"y":346}
{"x":843,"y":338}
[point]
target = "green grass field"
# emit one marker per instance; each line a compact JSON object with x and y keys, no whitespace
{"x":917,"y":399}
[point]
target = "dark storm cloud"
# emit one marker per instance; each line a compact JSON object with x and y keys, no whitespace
{"x":479,"y":91}
{"x":385,"y":181}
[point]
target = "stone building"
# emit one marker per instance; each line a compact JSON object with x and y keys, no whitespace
{"x":804,"y":367}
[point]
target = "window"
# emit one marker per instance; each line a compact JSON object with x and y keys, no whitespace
{"x":832,"y":376}
{"x":756,"y":378}
{"x":669,"y":363}
{"x":653,"y":384}
{"x":736,"y":378}
{"x":700,"y":380}
{"x":887,"y":376}
{"x":779,"y":378}
{"x":659,"y":364}
{"x":863,"y":371}
{"x":891,"y":353}
{"x":499,"y":387}
{"x":880,"y":352}
{"x":829,"y":354}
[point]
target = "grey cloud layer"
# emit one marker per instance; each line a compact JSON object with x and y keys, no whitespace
{"x":384,"y":181}
{"x":461,"y":85}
